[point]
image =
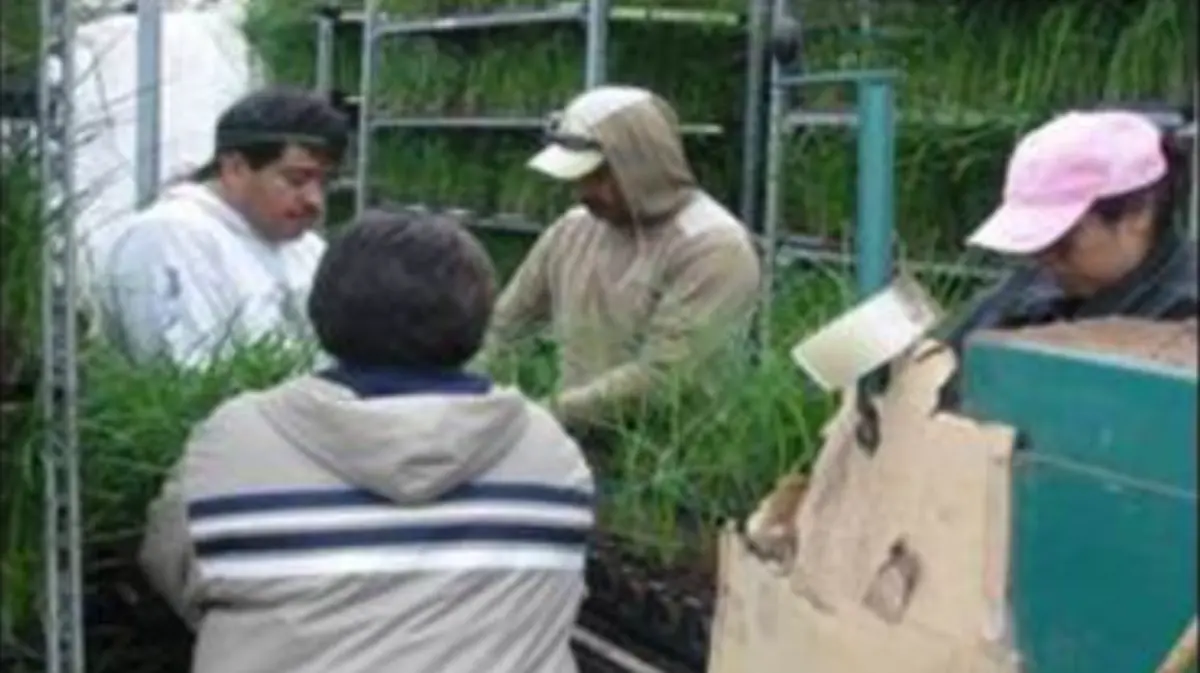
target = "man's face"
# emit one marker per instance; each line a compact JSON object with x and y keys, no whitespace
{"x":283,"y":199}
{"x":1097,"y":254}
{"x":601,"y":195}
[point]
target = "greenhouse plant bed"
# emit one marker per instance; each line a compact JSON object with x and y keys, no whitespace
{"x":660,"y":612}
{"x":666,"y":609}
{"x":128,"y":628}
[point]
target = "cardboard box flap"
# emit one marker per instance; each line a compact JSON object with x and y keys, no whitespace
{"x":899,"y":553}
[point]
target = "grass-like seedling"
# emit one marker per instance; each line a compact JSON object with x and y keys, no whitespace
{"x":689,"y":459}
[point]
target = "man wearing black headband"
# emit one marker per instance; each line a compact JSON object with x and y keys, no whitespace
{"x":228,"y":256}
{"x":647,"y":279}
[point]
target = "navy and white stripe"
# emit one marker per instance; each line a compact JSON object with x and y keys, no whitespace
{"x":494,"y":526}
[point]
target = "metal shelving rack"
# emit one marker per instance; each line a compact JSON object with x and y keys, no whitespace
{"x":785,"y":120}
{"x":787,"y":28}
{"x":376,"y":27}
{"x":63,"y":614}
{"x":594,"y":16}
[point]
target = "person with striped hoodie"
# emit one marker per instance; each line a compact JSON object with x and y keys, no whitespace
{"x":391,"y":512}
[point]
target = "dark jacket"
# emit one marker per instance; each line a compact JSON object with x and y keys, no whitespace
{"x":1163,"y":287}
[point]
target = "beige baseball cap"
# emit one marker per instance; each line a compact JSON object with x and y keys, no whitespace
{"x":570,"y":153}
{"x":572,"y":150}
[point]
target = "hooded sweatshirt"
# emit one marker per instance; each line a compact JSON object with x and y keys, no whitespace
{"x":631,"y":305}
{"x":360,"y":521}
{"x":189,"y":279}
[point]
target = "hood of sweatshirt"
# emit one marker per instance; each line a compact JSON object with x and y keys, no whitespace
{"x":636,"y":133}
{"x":407,"y":436}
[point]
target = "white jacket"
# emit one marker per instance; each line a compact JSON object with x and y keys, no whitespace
{"x":206,"y":65}
{"x":189,"y":279}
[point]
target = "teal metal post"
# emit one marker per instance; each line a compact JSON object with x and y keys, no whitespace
{"x":875,"y":118}
{"x":875,"y":222}
{"x":876,"y":183}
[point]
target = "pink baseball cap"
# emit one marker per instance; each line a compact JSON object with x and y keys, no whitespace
{"x":1061,"y":168}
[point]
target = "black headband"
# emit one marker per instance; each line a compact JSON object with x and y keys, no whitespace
{"x":572,"y":141}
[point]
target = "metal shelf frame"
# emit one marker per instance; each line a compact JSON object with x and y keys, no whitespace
{"x":1190,"y":133}
{"x":874,"y":120}
{"x":529,"y":124}
{"x":62,"y":524}
{"x":378,"y":26}
{"x":594,"y":16}
{"x":787,"y":72}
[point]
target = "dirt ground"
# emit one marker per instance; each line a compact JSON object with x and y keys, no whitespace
{"x":1168,"y":343}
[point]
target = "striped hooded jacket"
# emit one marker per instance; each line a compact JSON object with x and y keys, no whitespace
{"x":368,"y":521}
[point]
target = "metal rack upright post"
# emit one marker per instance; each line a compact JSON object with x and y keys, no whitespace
{"x":787,"y":62}
{"x":62,"y":524}
{"x":874,"y":230}
{"x":149,"y":107}
{"x":1191,"y":134}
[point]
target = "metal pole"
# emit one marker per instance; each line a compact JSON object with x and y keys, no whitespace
{"x":875,"y":224}
{"x":876,"y":188}
{"x":865,"y":23}
{"x":595,"y":66}
{"x":1194,"y":188}
{"x":772,"y":206}
{"x":149,"y":68}
{"x":62,"y":523}
{"x":752,"y":129}
{"x":324,"y":65}
{"x":370,"y":48}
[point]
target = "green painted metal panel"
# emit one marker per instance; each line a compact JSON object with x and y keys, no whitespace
{"x":1135,"y":418}
{"x":1104,"y":501}
{"x":1104,"y":574}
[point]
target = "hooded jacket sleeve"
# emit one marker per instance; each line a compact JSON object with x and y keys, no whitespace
{"x":709,"y":294}
{"x":524,"y":303}
{"x":169,"y":297}
{"x":166,"y":555}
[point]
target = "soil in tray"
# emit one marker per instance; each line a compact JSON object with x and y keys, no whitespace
{"x":1168,"y":343}
{"x":664,"y":608}
{"x":692,"y":569}
{"x":690,"y":574}
{"x":130,"y":629}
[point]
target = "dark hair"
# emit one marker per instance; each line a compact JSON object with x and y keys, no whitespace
{"x":403,"y":289}
{"x":260,"y":126}
{"x":1163,"y":196}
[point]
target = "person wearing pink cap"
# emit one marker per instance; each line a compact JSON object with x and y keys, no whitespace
{"x":1090,"y":203}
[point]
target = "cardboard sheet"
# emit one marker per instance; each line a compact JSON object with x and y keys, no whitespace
{"x":898,"y":561}
{"x":869,"y":335}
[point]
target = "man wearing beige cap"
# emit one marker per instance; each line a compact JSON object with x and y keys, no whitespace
{"x":1090,"y":202}
{"x":646,"y":279}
